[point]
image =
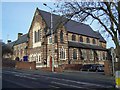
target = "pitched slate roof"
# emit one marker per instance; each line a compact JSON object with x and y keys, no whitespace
{"x":100,"y":37}
{"x":85,"y":46}
{"x":80,"y":28}
{"x":11,"y":44}
{"x":22,"y":39}
{"x":71,"y":26}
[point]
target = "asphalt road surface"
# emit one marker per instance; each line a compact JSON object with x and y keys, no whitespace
{"x":12,"y":78}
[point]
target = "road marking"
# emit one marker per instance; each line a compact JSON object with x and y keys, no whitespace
{"x":25,"y":76}
{"x":23,"y":85}
{"x":7,"y":72}
{"x":21,"y":75}
{"x":66,"y":84}
{"x":78,"y":82}
{"x":54,"y":86}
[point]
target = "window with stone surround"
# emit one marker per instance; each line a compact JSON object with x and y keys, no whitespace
{"x":94,"y":42}
{"x":91,"y":55}
{"x":55,"y":39}
{"x":104,"y":56}
{"x":87,"y":40}
{"x":62,"y":53}
{"x":37,"y":36}
{"x":61,"y":37}
{"x":73,"y":37}
{"x":49,"y":40}
{"x":35,"y":57}
{"x":81,"y":39}
{"x":74,"y":54}
{"x":84,"y":54}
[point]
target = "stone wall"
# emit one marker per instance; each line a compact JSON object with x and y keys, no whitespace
{"x":25,"y":65}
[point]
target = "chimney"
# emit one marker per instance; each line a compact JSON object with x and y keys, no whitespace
{"x":8,"y":41}
{"x":19,"y":35}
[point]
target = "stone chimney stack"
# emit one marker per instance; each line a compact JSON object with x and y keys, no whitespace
{"x":8,"y":41}
{"x":19,"y":35}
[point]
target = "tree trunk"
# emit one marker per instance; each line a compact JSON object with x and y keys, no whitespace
{"x":118,"y":56}
{"x":118,"y":45}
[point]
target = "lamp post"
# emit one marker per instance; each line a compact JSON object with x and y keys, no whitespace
{"x":51,"y":29}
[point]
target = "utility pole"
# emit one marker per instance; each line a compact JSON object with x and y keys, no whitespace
{"x":119,"y":21}
{"x":51,"y":27}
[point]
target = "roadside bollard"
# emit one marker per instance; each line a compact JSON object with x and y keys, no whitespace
{"x":117,"y":79}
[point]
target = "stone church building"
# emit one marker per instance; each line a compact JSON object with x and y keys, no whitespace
{"x":71,"y":43}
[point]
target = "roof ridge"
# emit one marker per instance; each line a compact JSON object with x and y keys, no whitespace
{"x":64,"y":17}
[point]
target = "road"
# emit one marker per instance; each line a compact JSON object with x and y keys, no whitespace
{"x":12,"y":78}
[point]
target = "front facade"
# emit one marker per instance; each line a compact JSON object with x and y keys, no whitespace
{"x":73,"y":43}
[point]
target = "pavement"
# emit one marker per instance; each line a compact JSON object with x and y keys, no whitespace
{"x":13,"y":78}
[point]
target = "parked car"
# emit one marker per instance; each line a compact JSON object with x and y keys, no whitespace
{"x":93,"y":67}
{"x":86,"y":67}
{"x":100,"y":68}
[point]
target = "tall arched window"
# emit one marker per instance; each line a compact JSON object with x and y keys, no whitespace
{"x":87,"y":40}
{"x":61,"y":36}
{"x":94,"y":42}
{"x":73,"y":37}
{"x":35,"y":37}
{"x":104,"y":56}
{"x":55,"y":39}
{"x":62,"y":53}
{"x":81,"y":39}
{"x":74,"y":54}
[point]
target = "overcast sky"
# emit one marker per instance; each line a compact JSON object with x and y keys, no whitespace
{"x":17,"y":17}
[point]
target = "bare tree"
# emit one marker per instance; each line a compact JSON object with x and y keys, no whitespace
{"x":6,"y":49}
{"x":107,"y":14}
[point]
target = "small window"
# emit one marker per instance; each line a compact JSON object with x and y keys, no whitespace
{"x":55,"y":39}
{"x":104,"y":56}
{"x":81,"y":39}
{"x":38,"y":35}
{"x":35,"y":36}
{"x":50,"y":40}
{"x":74,"y":54}
{"x":87,"y":40}
{"x":94,"y":42}
{"x":73,"y":37}
{"x":61,"y":36}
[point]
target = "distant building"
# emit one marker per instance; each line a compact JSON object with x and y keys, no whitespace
{"x":74,"y":43}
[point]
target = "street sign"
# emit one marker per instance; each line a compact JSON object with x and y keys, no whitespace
{"x":25,"y":58}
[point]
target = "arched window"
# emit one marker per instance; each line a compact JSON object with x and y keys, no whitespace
{"x":38,"y":35}
{"x":104,"y":56}
{"x":39,"y":58}
{"x":62,"y":53}
{"x":74,"y":54}
{"x":81,"y":39}
{"x":61,"y":36}
{"x":87,"y":40}
{"x":73,"y":37}
{"x":55,"y":39}
{"x":35,"y":34}
{"x":94,"y":42}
